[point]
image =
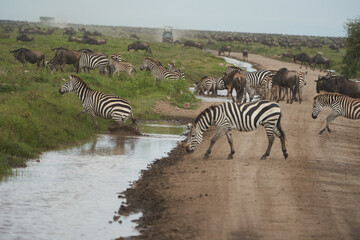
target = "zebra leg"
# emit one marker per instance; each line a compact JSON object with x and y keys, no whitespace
{"x":92,"y":114}
{"x":81,"y":112}
{"x":278,"y":132}
{"x":230,"y":141}
{"x":219,"y":133}
{"x":329,"y":119}
{"x":270,"y":135}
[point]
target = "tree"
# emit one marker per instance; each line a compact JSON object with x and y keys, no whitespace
{"x":351,"y":59}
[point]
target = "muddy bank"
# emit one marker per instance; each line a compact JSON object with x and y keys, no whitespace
{"x":314,"y":194}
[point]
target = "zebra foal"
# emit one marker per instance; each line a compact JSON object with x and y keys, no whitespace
{"x":242,"y":117}
{"x":98,"y":103}
{"x":341,"y":105}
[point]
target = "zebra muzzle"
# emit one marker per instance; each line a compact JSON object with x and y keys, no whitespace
{"x":61,"y":92}
{"x":313,"y":116}
{"x":188,"y":150}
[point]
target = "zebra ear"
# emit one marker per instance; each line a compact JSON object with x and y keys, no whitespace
{"x":189,"y":126}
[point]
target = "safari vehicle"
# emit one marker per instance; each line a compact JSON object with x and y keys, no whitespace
{"x":167,"y":35}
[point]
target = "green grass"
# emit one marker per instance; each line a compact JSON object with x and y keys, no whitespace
{"x":35,"y":117}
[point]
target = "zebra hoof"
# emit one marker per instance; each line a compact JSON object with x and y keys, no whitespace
{"x":263,"y":157}
{"x":286,"y":155}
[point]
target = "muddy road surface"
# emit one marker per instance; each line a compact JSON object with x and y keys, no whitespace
{"x":314,"y":194}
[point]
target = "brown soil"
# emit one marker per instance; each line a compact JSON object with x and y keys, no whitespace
{"x":314,"y":194}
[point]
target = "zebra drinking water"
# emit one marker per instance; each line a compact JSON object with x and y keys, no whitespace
{"x":98,"y":103}
{"x":242,"y":117}
{"x":341,"y":105}
{"x":157,"y":70}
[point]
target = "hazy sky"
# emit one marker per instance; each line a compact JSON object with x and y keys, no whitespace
{"x":301,"y":17}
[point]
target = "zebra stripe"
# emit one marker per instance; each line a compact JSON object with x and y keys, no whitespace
{"x":157,"y":70}
{"x":98,"y":103}
{"x":242,"y":117}
{"x":180,"y":73}
{"x":91,"y":61}
{"x":118,"y":67}
{"x":207,"y":84}
{"x":254,"y":81}
{"x":341,"y":105}
{"x":116,"y":57}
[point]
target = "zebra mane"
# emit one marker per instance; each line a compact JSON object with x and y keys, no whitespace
{"x":79,"y":80}
{"x":155,"y":61}
{"x":204,"y":112}
{"x":328,"y":94}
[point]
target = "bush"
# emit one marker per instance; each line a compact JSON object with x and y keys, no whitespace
{"x":352,"y":57}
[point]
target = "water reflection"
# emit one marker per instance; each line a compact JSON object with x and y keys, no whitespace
{"x":73,"y":193}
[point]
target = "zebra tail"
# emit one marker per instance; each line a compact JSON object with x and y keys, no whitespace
{"x":278,"y":126}
{"x":133,"y":119}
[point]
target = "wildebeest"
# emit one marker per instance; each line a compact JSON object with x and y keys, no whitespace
{"x":24,"y":55}
{"x":334,"y":48}
{"x":245,"y":54}
{"x":319,"y":59}
{"x":134,"y":36}
{"x":235,"y":80}
{"x":75,"y":39}
{"x":24,"y":38}
{"x":140,"y":46}
{"x":189,"y":43}
{"x":224,"y":49}
{"x":287,"y":55}
{"x":303,"y":58}
{"x":338,"y":84}
{"x":63,"y":57}
{"x":289,"y":80}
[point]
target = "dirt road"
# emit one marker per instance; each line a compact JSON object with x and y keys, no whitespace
{"x":314,"y":194}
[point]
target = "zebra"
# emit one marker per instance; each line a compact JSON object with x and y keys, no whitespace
{"x":157,"y":70}
{"x":302,"y":83}
{"x":118,"y":67}
{"x":116,"y":57}
{"x":93,"y":61}
{"x":207,"y":84}
{"x":98,"y":103}
{"x":179,"y":72}
{"x":254,"y":80}
{"x":341,"y":105}
{"x":242,"y":117}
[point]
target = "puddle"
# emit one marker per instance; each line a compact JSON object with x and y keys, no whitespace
{"x":245,"y":65}
{"x":73,"y":193}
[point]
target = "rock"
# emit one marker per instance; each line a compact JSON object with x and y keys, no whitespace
{"x":186,"y":105}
